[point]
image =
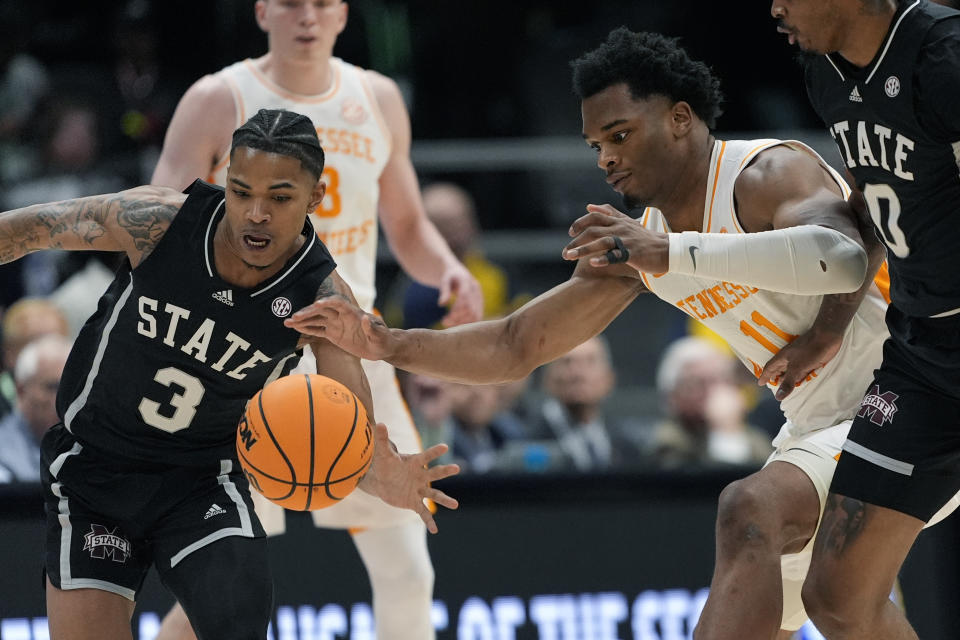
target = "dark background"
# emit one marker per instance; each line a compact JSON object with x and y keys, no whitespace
{"x":470,"y":69}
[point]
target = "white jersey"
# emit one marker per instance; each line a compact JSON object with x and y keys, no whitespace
{"x":758,"y":323}
{"x":357,"y":145}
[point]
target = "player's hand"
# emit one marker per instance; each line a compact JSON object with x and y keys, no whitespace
{"x":595,"y":238}
{"x":346,"y":325}
{"x":459,"y":285}
{"x":404,"y":480}
{"x":798,"y":360}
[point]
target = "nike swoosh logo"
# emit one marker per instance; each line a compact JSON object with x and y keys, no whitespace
{"x":693,"y":256}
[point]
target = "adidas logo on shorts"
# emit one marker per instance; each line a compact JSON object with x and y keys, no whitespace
{"x":214,"y":510}
{"x":225,"y":296}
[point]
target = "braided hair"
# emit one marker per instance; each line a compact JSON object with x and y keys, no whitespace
{"x":283,"y":132}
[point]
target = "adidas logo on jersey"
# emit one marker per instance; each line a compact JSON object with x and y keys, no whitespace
{"x":855,"y":94}
{"x":225,"y":296}
{"x":214,"y":510}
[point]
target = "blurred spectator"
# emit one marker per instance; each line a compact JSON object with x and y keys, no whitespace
{"x":144,"y":91}
{"x":470,"y":418}
{"x":24,"y":83}
{"x":70,"y":162}
{"x":430,"y":405}
{"x":37,"y":374}
{"x":481,"y":427}
{"x":453,"y":211}
{"x":24,"y":322}
{"x":573,"y":416}
{"x":706,"y":413}
{"x":78,"y":296}
{"x":70,"y":167}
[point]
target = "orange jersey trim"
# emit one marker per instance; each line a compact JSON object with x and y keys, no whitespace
{"x":716,"y":179}
{"x":882,"y":280}
{"x":296,"y":97}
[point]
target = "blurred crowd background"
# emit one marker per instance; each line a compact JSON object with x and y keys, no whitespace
{"x":86,"y":93}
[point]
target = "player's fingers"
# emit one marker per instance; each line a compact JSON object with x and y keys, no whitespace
{"x":591,"y":219}
{"x":324,"y":307}
{"x":441,"y":498}
{"x":431,"y":454}
{"x":311,"y":329}
{"x":579,"y":249}
{"x":447,"y":287}
{"x":427,"y":518}
{"x":775,"y":366}
{"x":441,"y":471}
{"x":462,"y":312}
{"x":784,"y":390}
{"x":787,"y":385}
{"x":452,"y":319}
{"x":380,"y":437}
{"x":607,"y":210}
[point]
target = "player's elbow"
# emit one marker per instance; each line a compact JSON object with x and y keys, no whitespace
{"x":845,"y":264}
{"x":517,"y":355}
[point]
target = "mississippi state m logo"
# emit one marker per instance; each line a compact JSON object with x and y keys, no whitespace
{"x":106,"y":544}
{"x":879,"y":407}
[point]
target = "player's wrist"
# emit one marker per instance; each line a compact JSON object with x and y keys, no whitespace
{"x":396,"y":346}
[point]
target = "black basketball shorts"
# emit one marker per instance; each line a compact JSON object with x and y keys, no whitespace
{"x":108,"y":522}
{"x":903,"y":449}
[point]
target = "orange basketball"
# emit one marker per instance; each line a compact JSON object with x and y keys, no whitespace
{"x":304,"y":442}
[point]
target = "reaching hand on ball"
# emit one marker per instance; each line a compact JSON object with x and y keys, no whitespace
{"x":403,"y":480}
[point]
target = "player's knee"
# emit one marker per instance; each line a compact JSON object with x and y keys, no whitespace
{"x":744,"y":517}
{"x":198,"y":584}
{"x":409,"y":574}
{"x":228,"y":620}
{"x":828,"y":604}
{"x":175,"y":626}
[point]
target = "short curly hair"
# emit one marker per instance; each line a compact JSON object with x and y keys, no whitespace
{"x":650,"y":64}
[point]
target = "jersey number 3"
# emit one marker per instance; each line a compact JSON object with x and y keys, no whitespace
{"x":184,"y":403}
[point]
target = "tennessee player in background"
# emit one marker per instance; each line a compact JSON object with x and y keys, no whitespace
{"x":884,"y":76}
{"x":743,"y":235}
{"x":364,"y":128}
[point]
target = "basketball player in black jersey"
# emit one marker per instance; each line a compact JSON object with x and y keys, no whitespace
{"x":142,"y":470}
{"x":884,"y":77}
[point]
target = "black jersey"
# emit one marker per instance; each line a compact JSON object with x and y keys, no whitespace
{"x":162,"y":371}
{"x":897,"y":126}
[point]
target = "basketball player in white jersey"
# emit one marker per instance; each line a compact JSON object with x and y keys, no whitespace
{"x":746,"y":236}
{"x":365,"y":131}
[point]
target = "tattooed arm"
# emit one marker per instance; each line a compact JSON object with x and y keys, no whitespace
{"x":131,"y":221}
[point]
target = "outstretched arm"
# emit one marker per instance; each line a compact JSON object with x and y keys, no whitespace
{"x":400,"y":480}
{"x":483,"y":352}
{"x":802,"y":236}
{"x":131,"y":221}
{"x":413,"y":238}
